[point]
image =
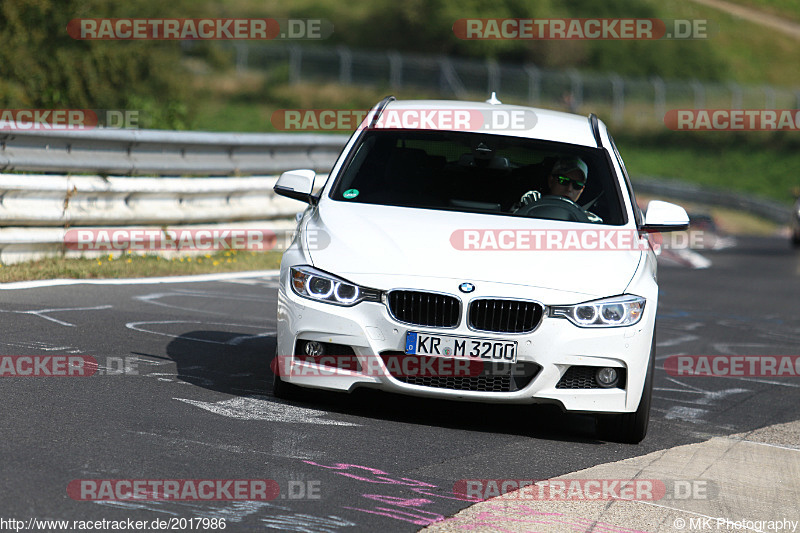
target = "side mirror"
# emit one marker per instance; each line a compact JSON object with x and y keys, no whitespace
{"x":664,"y":216}
{"x":296,"y":184}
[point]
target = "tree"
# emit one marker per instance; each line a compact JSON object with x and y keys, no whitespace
{"x":41,"y":66}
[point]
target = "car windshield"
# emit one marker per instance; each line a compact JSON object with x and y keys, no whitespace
{"x":473,"y":172}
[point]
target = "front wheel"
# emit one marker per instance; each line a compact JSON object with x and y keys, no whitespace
{"x":282,"y":389}
{"x":631,"y":428}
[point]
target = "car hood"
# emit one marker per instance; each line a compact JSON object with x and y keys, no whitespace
{"x":373,"y":245}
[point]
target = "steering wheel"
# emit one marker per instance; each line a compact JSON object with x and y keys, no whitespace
{"x":555,"y":208}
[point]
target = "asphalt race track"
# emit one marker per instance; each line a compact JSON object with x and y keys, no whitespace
{"x":183,"y":391}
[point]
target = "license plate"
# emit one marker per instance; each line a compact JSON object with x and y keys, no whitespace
{"x":461,"y":347}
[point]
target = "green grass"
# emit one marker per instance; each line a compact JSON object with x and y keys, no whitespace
{"x":789,"y":9}
{"x":754,"y":54}
{"x":745,"y":167}
{"x":137,"y":266}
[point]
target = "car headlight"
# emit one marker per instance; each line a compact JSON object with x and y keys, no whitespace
{"x":616,"y":311}
{"x":316,"y":285}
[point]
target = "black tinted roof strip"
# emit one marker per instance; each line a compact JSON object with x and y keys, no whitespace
{"x":379,"y":110}
{"x":595,"y":123}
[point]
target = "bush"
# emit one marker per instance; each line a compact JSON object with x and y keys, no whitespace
{"x":43,"y":67}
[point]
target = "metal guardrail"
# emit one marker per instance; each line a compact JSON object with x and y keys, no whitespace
{"x":234,"y":175}
{"x":30,"y":200}
{"x":161,"y":153}
{"x":688,"y":192}
{"x":37,"y":209}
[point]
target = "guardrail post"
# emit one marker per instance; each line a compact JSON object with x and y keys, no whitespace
{"x":659,"y":98}
{"x":618,"y":96}
{"x":345,"y":65}
{"x":395,"y":70}
{"x":492,"y":76}
{"x":295,"y":64}
{"x":736,"y":95}
{"x":769,"y":97}
{"x":241,"y":57}
{"x":699,"y":94}
{"x":534,"y":83}
{"x":449,"y":77}
{"x":575,"y":89}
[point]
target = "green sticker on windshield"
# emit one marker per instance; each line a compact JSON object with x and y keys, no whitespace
{"x":350,"y":193}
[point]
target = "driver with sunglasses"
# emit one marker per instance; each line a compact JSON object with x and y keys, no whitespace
{"x":567,"y":179}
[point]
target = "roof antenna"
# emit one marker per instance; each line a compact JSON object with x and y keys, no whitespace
{"x":493,"y":99}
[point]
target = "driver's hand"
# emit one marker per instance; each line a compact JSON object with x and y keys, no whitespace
{"x":529,"y":197}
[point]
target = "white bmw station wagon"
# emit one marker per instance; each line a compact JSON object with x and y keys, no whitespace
{"x":476,"y":252}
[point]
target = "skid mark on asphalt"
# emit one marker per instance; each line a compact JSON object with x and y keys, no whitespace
{"x":231,"y":512}
{"x":236,"y":512}
{"x":726,"y":348}
{"x":681,"y":412}
{"x":685,"y":393}
{"x":41,"y":313}
{"x":175,"y":441}
{"x":704,"y":396}
{"x":155,"y":298}
{"x":765,"y":381}
{"x":672,"y":341}
{"x":43,"y":346}
{"x":137,"y":326}
{"x":259,"y":408}
{"x":252,"y":296}
{"x":292,"y":445}
{"x":269,"y":282}
{"x":171,"y":377}
{"x":288,"y":444}
{"x":306,"y":523}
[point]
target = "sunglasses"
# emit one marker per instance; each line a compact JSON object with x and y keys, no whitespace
{"x":577,"y":185}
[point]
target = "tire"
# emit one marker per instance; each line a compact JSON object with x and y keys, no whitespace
{"x":631,"y":428}
{"x":796,"y":238}
{"x":282,"y":389}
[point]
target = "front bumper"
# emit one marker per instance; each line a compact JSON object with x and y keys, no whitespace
{"x":555,"y":345}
